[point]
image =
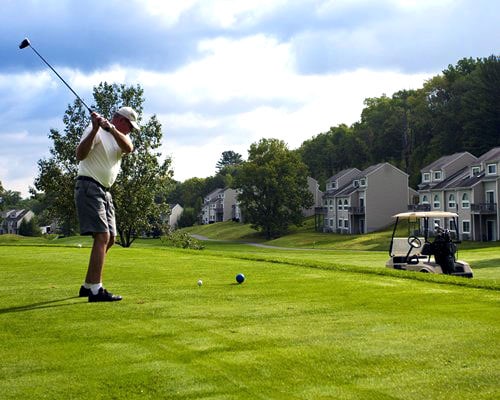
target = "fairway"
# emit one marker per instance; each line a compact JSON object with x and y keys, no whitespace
{"x":288,"y":332}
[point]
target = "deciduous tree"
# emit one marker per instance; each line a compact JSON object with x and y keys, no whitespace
{"x":142,"y":175}
{"x":273,"y":187}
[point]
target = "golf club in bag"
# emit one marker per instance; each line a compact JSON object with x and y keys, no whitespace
{"x":26,"y":43}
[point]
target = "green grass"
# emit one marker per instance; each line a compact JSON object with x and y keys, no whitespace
{"x":301,"y":327}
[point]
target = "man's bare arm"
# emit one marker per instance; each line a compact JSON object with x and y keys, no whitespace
{"x":83,"y":149}
{"x":122,"y":140}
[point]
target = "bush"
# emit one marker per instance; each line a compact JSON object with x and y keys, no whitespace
{"x":29,"y":228}
{"x":181,"y":239}
{"x":189,"y":217}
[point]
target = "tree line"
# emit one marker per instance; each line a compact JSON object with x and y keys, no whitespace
{"x":458,"y":110}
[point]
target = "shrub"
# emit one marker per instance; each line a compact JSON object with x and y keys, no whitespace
{"x":181,"y":239}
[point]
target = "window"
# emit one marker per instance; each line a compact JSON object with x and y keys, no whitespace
{"x":451,"y":201}
{"x":475,"y":171}
{"x":491,"y":169}
{"x":346,"y":204}
{"x":425,"y":200}
{"x":355,"y":183}
{"x":340,"y":205}
{"x":331,"y":222}
{"x":465,"y":201}
{"x":333,"y":185}
{"x":341,"y":224}
{"x":346,"y":223}
{"x":437,"y":175}
{"x":362,"y":182}
{"x":466,"y":226}
{"x":436,"y":203}
{"x":426,"y":177}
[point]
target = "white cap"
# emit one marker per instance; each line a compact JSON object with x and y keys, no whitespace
{"x":130,"y":114}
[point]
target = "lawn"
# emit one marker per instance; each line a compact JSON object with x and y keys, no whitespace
{"x":295,"y":329}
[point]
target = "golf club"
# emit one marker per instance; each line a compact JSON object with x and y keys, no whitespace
{"x":26,"y":43}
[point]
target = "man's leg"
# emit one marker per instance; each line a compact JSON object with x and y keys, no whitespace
{"x":97,"y":257}
{"x":111,"y":242}
{"x":102,"y":243}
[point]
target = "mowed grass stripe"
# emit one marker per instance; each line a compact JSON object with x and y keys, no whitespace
{"x":286,"y":333}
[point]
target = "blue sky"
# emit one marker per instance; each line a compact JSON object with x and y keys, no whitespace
{"x":221,"y":74}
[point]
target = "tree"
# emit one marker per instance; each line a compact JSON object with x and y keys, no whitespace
{"x":141,"y":176}
{"x":10,"y":198}
{"x":189,"y":217}
{"x":29,"y":228}
{"x":481,"y":107}
{"x":332,"y":151}
{"x":2,"y":196}
{"x":273,"y":187}
{"x":228,"y":159}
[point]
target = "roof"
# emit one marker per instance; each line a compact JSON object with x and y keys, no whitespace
{"x":371,"y":169}
{"x":347,"y":189}
{"x":442,"y":162}
{"x":14,"y":214}
{"x":453,"y":180}
{"x":344,"y":190}
{"x":214,"y":193}
{"x":426,"y":214}
{"x":492,"y":155}
{"x":342,"y":173}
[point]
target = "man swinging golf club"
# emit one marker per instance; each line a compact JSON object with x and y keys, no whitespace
{"x":99,"y":154}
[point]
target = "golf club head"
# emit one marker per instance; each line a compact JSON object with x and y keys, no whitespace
{"x":25,"y":43}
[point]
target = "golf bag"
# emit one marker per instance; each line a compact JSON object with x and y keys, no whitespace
{"x":444,"y":251}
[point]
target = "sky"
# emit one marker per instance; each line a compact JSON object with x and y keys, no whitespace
{"x":222,"y":74}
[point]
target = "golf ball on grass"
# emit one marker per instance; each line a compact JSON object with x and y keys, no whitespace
{"x":240,"y":278}
{"x":200,"y":282}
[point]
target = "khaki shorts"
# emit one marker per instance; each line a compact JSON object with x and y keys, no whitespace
{"x":95,"y":208}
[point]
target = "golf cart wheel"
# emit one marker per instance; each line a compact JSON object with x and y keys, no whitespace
{"x":424,"y":271}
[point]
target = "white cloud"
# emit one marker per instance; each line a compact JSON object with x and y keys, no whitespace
{"x":168,"y":11}
{"x":219,"y":13}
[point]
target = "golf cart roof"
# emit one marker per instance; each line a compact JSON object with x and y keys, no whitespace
{"x":425,"y":214}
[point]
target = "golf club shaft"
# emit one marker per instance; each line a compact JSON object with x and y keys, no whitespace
{"x":61,"y":78}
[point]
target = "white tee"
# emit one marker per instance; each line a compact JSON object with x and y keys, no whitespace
{"x":104,"y":159}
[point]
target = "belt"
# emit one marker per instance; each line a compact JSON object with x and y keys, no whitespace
{"x":89,"y":179}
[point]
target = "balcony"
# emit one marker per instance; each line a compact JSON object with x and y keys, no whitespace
{"x":484,"y":208}
{"x":419,"y":207}
{"x":356,"y":210}
{"x":320,"y":210}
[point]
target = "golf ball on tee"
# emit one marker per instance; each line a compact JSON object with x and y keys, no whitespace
{"x":240,"y":278}
{"x":200,"y":282}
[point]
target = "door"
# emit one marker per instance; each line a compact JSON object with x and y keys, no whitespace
{"x":491,"y":230}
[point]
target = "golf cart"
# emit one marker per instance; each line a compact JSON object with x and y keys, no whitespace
{"x":416,"y":252}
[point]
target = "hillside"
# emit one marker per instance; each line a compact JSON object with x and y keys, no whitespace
{"x":307,"y":237}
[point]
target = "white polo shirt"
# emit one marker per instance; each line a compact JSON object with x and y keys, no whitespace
{"x":104,"y":159}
